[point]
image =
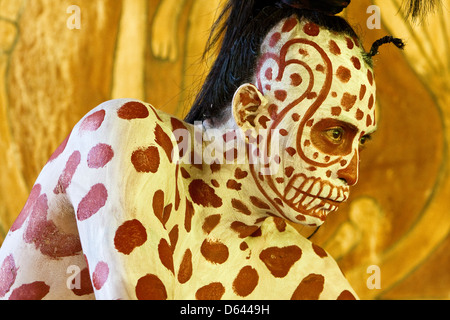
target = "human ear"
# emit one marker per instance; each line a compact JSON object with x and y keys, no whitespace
{"x":248,"y":103}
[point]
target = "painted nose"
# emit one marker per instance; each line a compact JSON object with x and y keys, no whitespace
{"x":350,"y":173}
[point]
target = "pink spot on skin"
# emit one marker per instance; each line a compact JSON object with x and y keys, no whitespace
{"x":274,"y":39}
{"x":59,"y":150}
{"x":92,"y":202}
{"x":100,"y":275}
{"x":34,"y":194}
{"x":100,"y":156}
{"x":32,"y":291}
{"x":8,"y":274}
{"x":93,"y":122}
{"x":45,"y":235}
{"x":66,"y":177}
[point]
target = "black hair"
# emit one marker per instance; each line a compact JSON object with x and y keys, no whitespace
{"x":419,"y":8}
{"x":241,"y":28}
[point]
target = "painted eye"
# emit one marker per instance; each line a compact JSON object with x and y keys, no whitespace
{"x":363,"y":141}
{"x":335,"y":135}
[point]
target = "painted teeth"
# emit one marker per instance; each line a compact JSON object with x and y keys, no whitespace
{"x":325,"y":191}
{"x":311,"y":194}
{"x":315,"y":190}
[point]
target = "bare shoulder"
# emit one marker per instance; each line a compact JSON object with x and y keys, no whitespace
{"x":288,"y":255}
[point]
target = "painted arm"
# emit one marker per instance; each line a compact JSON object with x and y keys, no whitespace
{"x":113,"y":195}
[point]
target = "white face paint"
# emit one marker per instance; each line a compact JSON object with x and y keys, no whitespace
{"x":321,"y":100}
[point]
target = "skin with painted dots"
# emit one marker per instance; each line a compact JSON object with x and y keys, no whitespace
{"x":114,"y":201}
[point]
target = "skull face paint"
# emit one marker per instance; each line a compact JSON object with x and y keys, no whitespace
{"x":321,"y":101}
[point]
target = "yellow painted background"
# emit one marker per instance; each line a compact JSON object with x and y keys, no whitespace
{"x":398,"y":217}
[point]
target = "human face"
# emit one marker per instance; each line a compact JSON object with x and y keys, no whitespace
{"x":321,"y":101}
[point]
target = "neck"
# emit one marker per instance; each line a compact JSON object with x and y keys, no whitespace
{"x":220,"y":183}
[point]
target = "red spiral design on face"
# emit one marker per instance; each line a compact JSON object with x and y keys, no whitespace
{"x":280,"y":60}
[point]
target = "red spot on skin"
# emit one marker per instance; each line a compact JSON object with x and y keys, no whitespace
{"x":359,"y":115}
{"x":281,"y":95}
{"x":242,"y":229}
{"x":85,"y":284}
{"x":32,"y":291}
{"x":240,"y":207}
{"x":369,"y":120}
{"x":310,"y":288}
{"x":280,"y":260}
{"x":303,"y":52}
{"x":246,"y":281}
{"x":185,"y":271}
{"x":100,"y":156}
{"x":150,"y":287}
{"x":133,"y":110}
{"x":188,"y":216}
{"x":289,"y":25}
{"x":129,"y":236}
{"x":334,"y":48}
{"x":289,"y":171}
{"x":164,"y":141}
{"x":350,"y":43}
{"x":158,"y":205}
{"x":362,"y":92}
{"x":146,"y":160}
{"x":343,"y":74}
{"x":259,"y":203}
{"x":269,"y":74}
{"x":356,"y":63}
{"x":8,"y":274}
{"x":280,"y":224}
{"x":336,"y":111}
{"x":34,"y":195}
{"x":59,"y":150}
{"x":214,"y":251}
{"x":66,"y":177}
{"x":370,"y":77}
{"x":319,"y":251}
{"x":263,"y":121}
{"x":45,"y":235}
{"x":274,"y":39}
{"x":371,"y":102}
{"x":234,"y":185}
{"x":100,"y":275}
{"x":210,"y":223}
{"x":173,"y":237}
{"x":311,"y":29}
{"x":93,"y":122}
{"x":212,"y":291}
{"x":291,"y":151}
{"x":296,"y":79}
{"x":348,"y":101}
{"x":311,"y":95}
{"x":166,"y":255}
{"x":202,"y":194}
{"x":273,"y":110}
{"x":346,"y":295}
{"x":92,"y":202}
{"x":320,"y":68}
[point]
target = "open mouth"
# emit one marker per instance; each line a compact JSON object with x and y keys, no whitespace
{"x":314,"y":195}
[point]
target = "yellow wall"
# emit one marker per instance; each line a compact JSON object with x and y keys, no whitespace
{"x":398,"y":216}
